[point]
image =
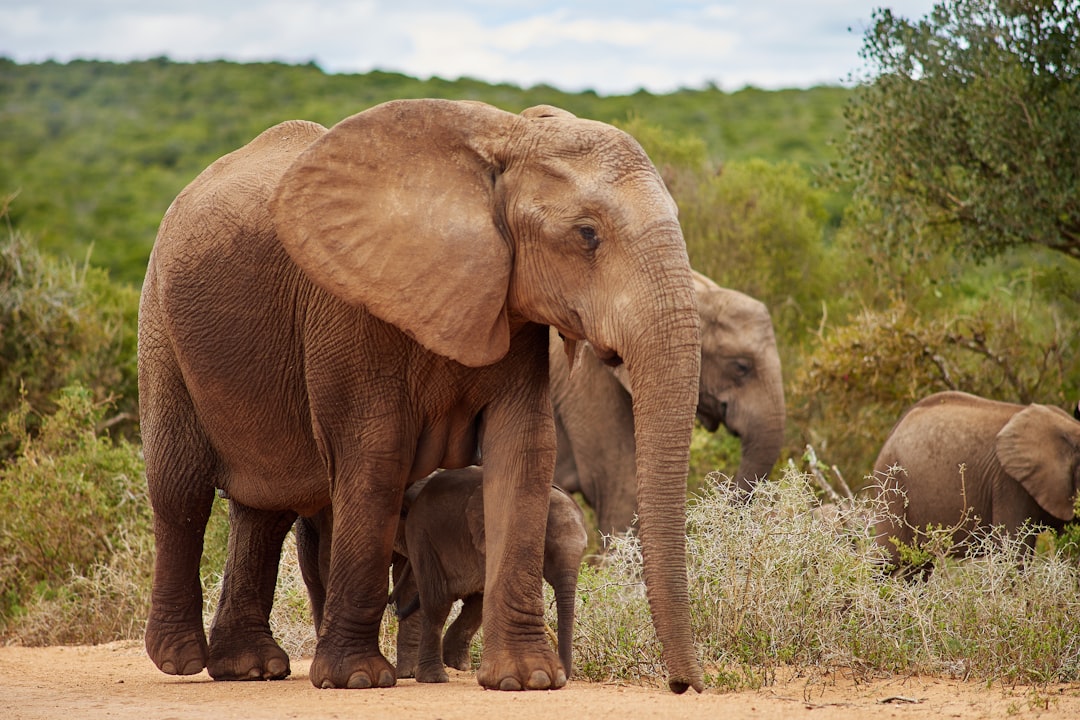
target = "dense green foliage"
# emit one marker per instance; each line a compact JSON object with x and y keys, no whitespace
{"x":969,"y":134}
{"x":98,"y":150}
{"x":958,"y":248}
{"x":68,"y":499}
{"x":62,"y":322}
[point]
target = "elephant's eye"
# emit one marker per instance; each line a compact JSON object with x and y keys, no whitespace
{"x":588,"y":234}
{"x":741,"y":367}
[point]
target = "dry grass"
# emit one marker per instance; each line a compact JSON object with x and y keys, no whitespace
{"x":773,"y":582}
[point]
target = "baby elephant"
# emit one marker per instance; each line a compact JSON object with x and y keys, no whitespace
{"x":443,"y":538}
{"x":1021,"y":462}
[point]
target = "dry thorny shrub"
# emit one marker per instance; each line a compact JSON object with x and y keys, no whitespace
{"x":774,"y":581}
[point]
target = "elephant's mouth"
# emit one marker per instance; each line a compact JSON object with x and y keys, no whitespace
{"x":612,"y":360}
{"x":711,"y":416}
{"x":608,"y":357}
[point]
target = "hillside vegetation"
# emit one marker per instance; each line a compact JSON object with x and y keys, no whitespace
{"x":98,"y":150}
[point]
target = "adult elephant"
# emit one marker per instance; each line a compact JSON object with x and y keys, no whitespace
{"x":740,"y":387}
{"x":958,"y":460}
{"x":330,"y":315}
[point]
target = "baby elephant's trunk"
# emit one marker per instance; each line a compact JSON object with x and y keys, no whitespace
{"x":565,"y":587}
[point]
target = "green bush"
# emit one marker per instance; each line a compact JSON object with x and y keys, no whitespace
{"x":63,"y":323}
{"x":859,"y":377}
{"x":70,"y":499}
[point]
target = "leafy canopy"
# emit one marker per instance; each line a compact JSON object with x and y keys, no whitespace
{"x":966,"y":133}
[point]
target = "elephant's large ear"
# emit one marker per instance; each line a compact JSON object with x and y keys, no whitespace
{"x":393,"y":209}
{"x":1039,"y":448}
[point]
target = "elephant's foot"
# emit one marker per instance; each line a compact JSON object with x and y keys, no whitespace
{"x":432,"y":674}
{"x":351,"y":670}
{"x":456,"y":654}
{"x":406,"y":668}
{"x":251,"y":656}
{"x":176,"y":648}
{"x":521,"y":669}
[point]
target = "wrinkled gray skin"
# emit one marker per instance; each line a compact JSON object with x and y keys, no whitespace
{"x":741,"y":388}
{"x":330,"y":315}
{"x":439,"y":553}
{"x":1021,"y":462}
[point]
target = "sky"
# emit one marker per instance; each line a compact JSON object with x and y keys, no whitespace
{"x":609,"y":46}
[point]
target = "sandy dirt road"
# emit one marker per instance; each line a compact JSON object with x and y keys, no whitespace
{"x":117,"y":681}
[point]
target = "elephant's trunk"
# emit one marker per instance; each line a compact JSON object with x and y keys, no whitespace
{"x":565,"y":587}
{"x":663,"y":366}
{"x":761,"y":445}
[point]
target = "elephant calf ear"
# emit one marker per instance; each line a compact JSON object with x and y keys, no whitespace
{"x":392,"y":210}
{"x":1039,"y":448}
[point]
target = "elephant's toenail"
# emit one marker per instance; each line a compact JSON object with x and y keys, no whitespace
{"x":359,"y":681}
{"x":387,"y":679}
{"x":509,"y":683}
{"x":277,"y":668}
{"x":168,"y":668}
{"x":327,"y":685}
{"x":539,"y":680}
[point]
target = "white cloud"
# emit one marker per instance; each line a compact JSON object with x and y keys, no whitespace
{"x":607,"y":45}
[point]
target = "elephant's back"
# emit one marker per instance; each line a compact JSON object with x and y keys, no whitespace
{"x":220,"y":222}
{"x":936,"y":427}
{"x":944,"y":444}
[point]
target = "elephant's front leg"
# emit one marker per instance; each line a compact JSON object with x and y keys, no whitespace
{"x":519,"y":461}
{"x":241,"y":644}
{"x":365,"y":519}
{"x":457,"y":641}
{"x":433,"y":616}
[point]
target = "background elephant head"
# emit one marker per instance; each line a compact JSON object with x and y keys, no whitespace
{"x":958,"y":460}
{"x":741,"y":388}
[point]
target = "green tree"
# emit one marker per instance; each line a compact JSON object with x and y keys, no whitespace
{"x":965,"y":133}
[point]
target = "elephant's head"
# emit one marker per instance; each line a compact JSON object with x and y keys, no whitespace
{"x":741,"y":384}
{"x":1040,"y":448}
{"x":458,"y":222}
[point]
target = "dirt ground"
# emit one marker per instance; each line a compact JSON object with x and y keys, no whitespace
{"x":117,"y":681}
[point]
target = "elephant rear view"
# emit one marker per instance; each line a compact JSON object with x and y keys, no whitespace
{"x":330,"y":315}
{"x":958,"y":460}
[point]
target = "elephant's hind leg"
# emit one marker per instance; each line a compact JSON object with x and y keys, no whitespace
{"x":408,"y":634}
{"x":180,"y":472}
{"x":241,"y":644}
{"x":175,"y":638}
